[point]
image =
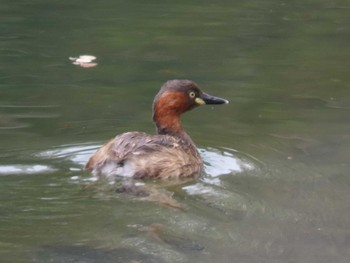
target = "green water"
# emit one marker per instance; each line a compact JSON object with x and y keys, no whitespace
{"x":276,"y":186}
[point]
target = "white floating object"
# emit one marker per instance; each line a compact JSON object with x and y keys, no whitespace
{"x":85,"y":61}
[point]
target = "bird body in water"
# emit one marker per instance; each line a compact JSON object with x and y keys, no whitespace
{"x":170,"y":154}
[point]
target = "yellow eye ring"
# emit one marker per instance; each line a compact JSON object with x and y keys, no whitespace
{"x":192,"y":94}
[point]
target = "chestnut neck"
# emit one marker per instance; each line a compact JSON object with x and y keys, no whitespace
{"x":168,"y":123}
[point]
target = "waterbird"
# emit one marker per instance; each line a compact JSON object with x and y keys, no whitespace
{"x":169,"y":154}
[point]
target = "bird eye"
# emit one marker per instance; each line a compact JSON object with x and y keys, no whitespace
{"x":192,"y":94}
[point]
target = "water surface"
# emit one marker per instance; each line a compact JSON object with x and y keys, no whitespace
{"x":276,"y":184}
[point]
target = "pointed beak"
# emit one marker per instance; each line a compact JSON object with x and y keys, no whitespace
{"x":209,"y":99}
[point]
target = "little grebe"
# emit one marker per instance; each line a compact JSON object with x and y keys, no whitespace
{"x":169,"y":154}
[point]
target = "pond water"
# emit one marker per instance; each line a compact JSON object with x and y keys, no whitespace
{"x":276,"y":186}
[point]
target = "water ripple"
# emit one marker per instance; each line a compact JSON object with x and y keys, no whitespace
{"x":217,"y":162}
{"x":25,"y":169}
{"x":220,"y":162}
{"x":76,"y":153}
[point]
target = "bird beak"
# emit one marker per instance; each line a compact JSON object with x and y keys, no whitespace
{"x":209,"y":99}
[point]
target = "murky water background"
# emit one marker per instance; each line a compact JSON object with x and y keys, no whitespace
{"x":276,"y":186}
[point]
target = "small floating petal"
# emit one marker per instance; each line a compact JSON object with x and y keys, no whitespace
{"x":85,"y":61}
